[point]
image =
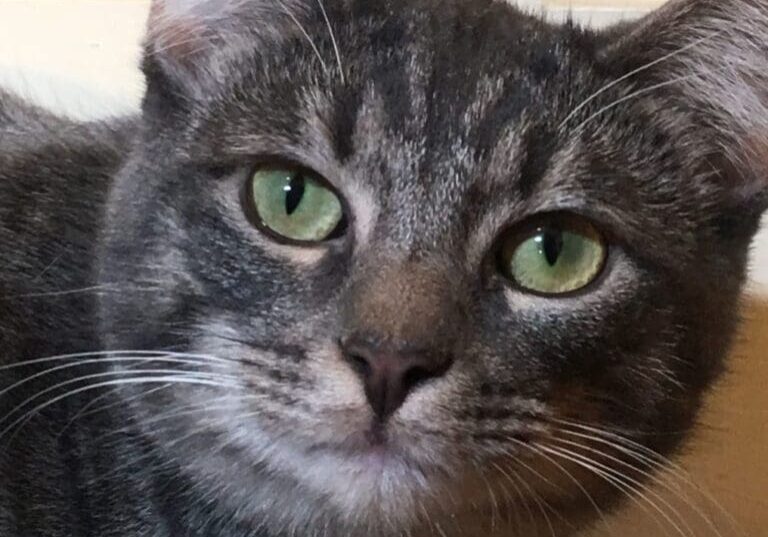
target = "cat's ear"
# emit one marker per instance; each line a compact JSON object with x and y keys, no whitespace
{"x":707,"y":60}
{"x":182,"y":34}
{"x":190,"y":40}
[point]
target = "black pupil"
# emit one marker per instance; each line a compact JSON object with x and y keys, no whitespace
{"x":294,"y":191}
{"x":552,"y":244}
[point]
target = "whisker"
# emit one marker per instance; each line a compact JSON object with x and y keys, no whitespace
{"x":305,"y":33}
{"x":510,"y":501}
{"x":494,"y":504}
{"x":647,"y":474}
{"x":648,"y":456}
{"x":515,"y":482}
{"x":138,"y":353}
{"x":180,"y":411}
{"x":120,"y":468}
{"x":538,"y":474}
{"x":81,"y":290}
{"x":50,"y":265}
{"x":634,"y":72}
{"x":620,"y":486}
{"x":82,"y":363}
{"x":570,"y":476}
{"x":657,"y":459}
{"x":86,"y":410}
{"x":539,"y":503}
{"x":333,"y":41}
{"x":620,"y":481}
{"x":633,"y":95}
{"x":163,"y":376}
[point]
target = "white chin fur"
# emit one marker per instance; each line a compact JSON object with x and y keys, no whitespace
{"x":304,"y":481}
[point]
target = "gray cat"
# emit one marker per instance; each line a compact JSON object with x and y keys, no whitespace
{"x":376,"y":268}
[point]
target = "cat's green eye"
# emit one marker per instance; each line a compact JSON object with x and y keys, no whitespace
{"x":557,"y":256}
{"x":295,"y":204}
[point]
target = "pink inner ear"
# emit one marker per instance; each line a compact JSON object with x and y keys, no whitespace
{"x":178,"y":29}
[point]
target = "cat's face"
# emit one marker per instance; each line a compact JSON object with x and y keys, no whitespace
{"x":380,"y":335}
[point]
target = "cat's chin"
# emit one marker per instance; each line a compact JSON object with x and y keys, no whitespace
{"x":354,"y":487}
{"x":379,"y":488}
{"x":369,"y":472}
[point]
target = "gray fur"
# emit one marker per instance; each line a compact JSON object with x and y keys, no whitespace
{"x":443,"y":125}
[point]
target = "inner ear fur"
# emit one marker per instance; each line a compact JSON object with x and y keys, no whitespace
{"x":711,"y":56}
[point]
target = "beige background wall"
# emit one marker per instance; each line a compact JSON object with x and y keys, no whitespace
{"x":80,"y":56}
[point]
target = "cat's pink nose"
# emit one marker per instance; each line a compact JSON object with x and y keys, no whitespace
{"x":390,"y":374}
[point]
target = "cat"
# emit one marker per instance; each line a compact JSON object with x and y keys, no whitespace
{"x":376,"y":268}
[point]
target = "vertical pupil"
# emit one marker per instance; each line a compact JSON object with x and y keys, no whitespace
{"x":294,"y":191}
{"x":552,"y":244}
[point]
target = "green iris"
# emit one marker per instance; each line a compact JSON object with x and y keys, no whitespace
{"x":560,"y":256}
{"x":295,"y":205}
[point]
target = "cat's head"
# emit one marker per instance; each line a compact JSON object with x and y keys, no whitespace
{"x":402,"y":252}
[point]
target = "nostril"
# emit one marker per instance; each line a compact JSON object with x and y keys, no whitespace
{"x":390,"y":373}
{"x":415,"y":376}
{"x":360,"y":365}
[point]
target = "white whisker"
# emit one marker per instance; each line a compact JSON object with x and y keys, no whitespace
{"x":632,"y":73}
{"x":89,"y":410}
{"x":81,"y":363}
{"x":491,"y":496}
{"x":118,"y":469}
{"x":647,"y":475}
{"x":163,"y":376}
{"x":81,"y":290}
{"x":647,"y":456}
{"x":633,"y":95}
{"x":570,"y":476}
{"x":510,"y":501}
{"x":539,"y":503}
{"x":180,"y":411}
{"x":305,"y":33}
{"x":631,"y":487}
{"x":515,"y":482}
{"x":333,"y":40}
{"x":158,"y":354}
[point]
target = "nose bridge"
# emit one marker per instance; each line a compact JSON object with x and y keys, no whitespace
{"x":414,"y":305}
{"x":403,"y":325}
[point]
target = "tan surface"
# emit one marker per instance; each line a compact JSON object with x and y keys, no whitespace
{"x":729,"y":458}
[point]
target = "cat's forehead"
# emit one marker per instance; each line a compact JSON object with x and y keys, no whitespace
{"x":418,"y":107}
{"x":454,"y":111}
{"x":417,"y":88}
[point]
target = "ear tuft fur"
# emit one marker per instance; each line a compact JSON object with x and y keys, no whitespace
{"x":714,"y":55}
{"x":190,"y":40}
{"x":181,"y":31}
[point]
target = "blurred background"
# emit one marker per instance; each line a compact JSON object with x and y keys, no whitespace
{"x":80,"y":57}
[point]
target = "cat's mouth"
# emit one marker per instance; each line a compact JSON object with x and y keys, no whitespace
{"x":375,"y":461}
{"x":380,"y":455}
{"x":376,"y":443}
{"x":383,"y":474}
